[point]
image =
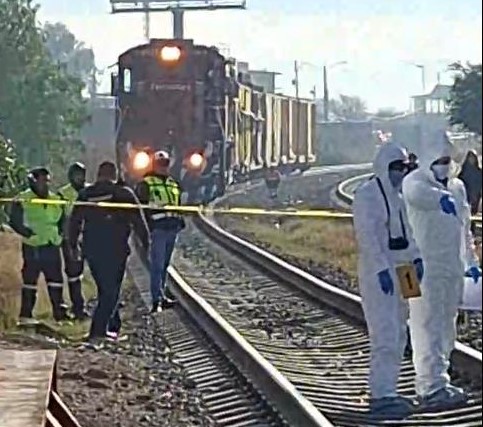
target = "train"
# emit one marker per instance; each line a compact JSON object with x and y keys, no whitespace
{"x":189,"y":100}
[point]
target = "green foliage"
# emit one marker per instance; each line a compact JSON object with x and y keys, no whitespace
{"x":465,"y":99}
{"x":12,"y":174}
{"x":72,"y":54}
{"x":387,"y":113}
{"x":348,"y":107}
{"x":41,"y":107}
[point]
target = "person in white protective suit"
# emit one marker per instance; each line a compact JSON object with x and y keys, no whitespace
{"x":439,"y":216}
{"x":385,"y":241}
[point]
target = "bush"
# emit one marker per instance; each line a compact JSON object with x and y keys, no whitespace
{"x":12,"y":175}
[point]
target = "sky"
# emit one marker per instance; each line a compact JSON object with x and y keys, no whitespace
{"x":379,"y":39}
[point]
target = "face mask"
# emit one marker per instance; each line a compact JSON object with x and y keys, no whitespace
{"x":396,"y":178}
{"x":441,"y":172}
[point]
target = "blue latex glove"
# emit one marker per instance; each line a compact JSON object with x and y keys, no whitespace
{"x":385,"y":280}
{"x":418,"y":264}
{"x":474,"y":273}
{"x":447,"y":205}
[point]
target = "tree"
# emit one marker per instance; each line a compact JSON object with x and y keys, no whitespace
{"x":20,"y":42}
{"x":465,"y":98}
{"x":387,"y":113}
{"x":41,"y":107}
{"x":12,"y":174}
{"x":69,"y":52}
{"x":348,"y":107}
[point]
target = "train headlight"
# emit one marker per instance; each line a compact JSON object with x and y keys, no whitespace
{"x":170,"y":53}
{"x":196,"y":161}
{"x":141,"y":161}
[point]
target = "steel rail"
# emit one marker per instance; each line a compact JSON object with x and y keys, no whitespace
{"x":293,"y":407}
{"x":467,"y":360}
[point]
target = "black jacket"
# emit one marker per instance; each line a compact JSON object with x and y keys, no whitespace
{"x":471,"y":177}
{"x":107,"y":229}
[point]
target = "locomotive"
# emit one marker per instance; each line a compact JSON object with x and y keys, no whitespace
{"x":188,"y":100}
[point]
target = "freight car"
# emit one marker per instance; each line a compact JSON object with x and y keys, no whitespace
{"x":187,"y":99}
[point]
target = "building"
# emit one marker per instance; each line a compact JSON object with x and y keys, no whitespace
{"x":264,"y":79}
{"x":261,"y":78}
{"x":435,"y":102}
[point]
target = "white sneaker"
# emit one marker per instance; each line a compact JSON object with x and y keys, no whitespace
{"x":27,"y":321}
{"x":94,"y":344}
{"x":115,"y":337}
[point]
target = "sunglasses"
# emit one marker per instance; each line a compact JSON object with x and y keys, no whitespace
{"x":443,"y":161}
{"x":399,"y":166}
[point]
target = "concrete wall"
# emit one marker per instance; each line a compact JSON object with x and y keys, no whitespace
{"x":345,"y":142}
{"x":412,"y":130}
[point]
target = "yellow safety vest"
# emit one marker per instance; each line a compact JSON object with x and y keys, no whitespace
{"x":69,"y":194}
{"x":163,"y":192}
{"x":43,"y":220}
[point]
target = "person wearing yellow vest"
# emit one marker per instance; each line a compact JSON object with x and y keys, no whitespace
{"x":40,"y":226}
{"x":74,"y":267}
{"x":159,"y":188}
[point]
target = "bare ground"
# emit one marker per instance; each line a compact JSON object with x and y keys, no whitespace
{"x":130,"y":384}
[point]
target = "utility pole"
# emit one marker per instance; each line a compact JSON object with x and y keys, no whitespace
{"x":326,"y":96}
{"x":423,"y":75}
{"x":295,"y":81}
{"x":326,"y":87}
{"x":147,"y":23}
{"x":314,"y":92}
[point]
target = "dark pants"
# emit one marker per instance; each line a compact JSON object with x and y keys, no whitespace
{"x":272,"y":189}
{"x":162,"y":246}
{"x":108,"y":273}
{"x":46,"y":260}
{"x":74,"y":269}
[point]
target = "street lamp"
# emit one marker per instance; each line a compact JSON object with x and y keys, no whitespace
{"x":422,"y":67}
{"x":326,"y":85}
{"x":326,"y":88}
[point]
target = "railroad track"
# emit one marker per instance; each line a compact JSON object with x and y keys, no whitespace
{"x":320,"y":343}
{"x":312,"y":333}
{"x":322,"y":191}
{"x":234,"y":380}
{"x":300,"y":342}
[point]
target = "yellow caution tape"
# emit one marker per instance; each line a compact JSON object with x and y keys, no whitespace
{"x":188,"y":209}
{"x":309,"y":213}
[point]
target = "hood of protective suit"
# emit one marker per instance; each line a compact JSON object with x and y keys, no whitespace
{"x":387,"y":154}
{"x":436,"y":146}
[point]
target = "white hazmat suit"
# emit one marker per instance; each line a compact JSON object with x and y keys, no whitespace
{"x":386,"y":314}
{"x":447,"y":250}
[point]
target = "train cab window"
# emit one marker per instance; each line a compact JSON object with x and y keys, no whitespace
{"x":126,"y":80}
